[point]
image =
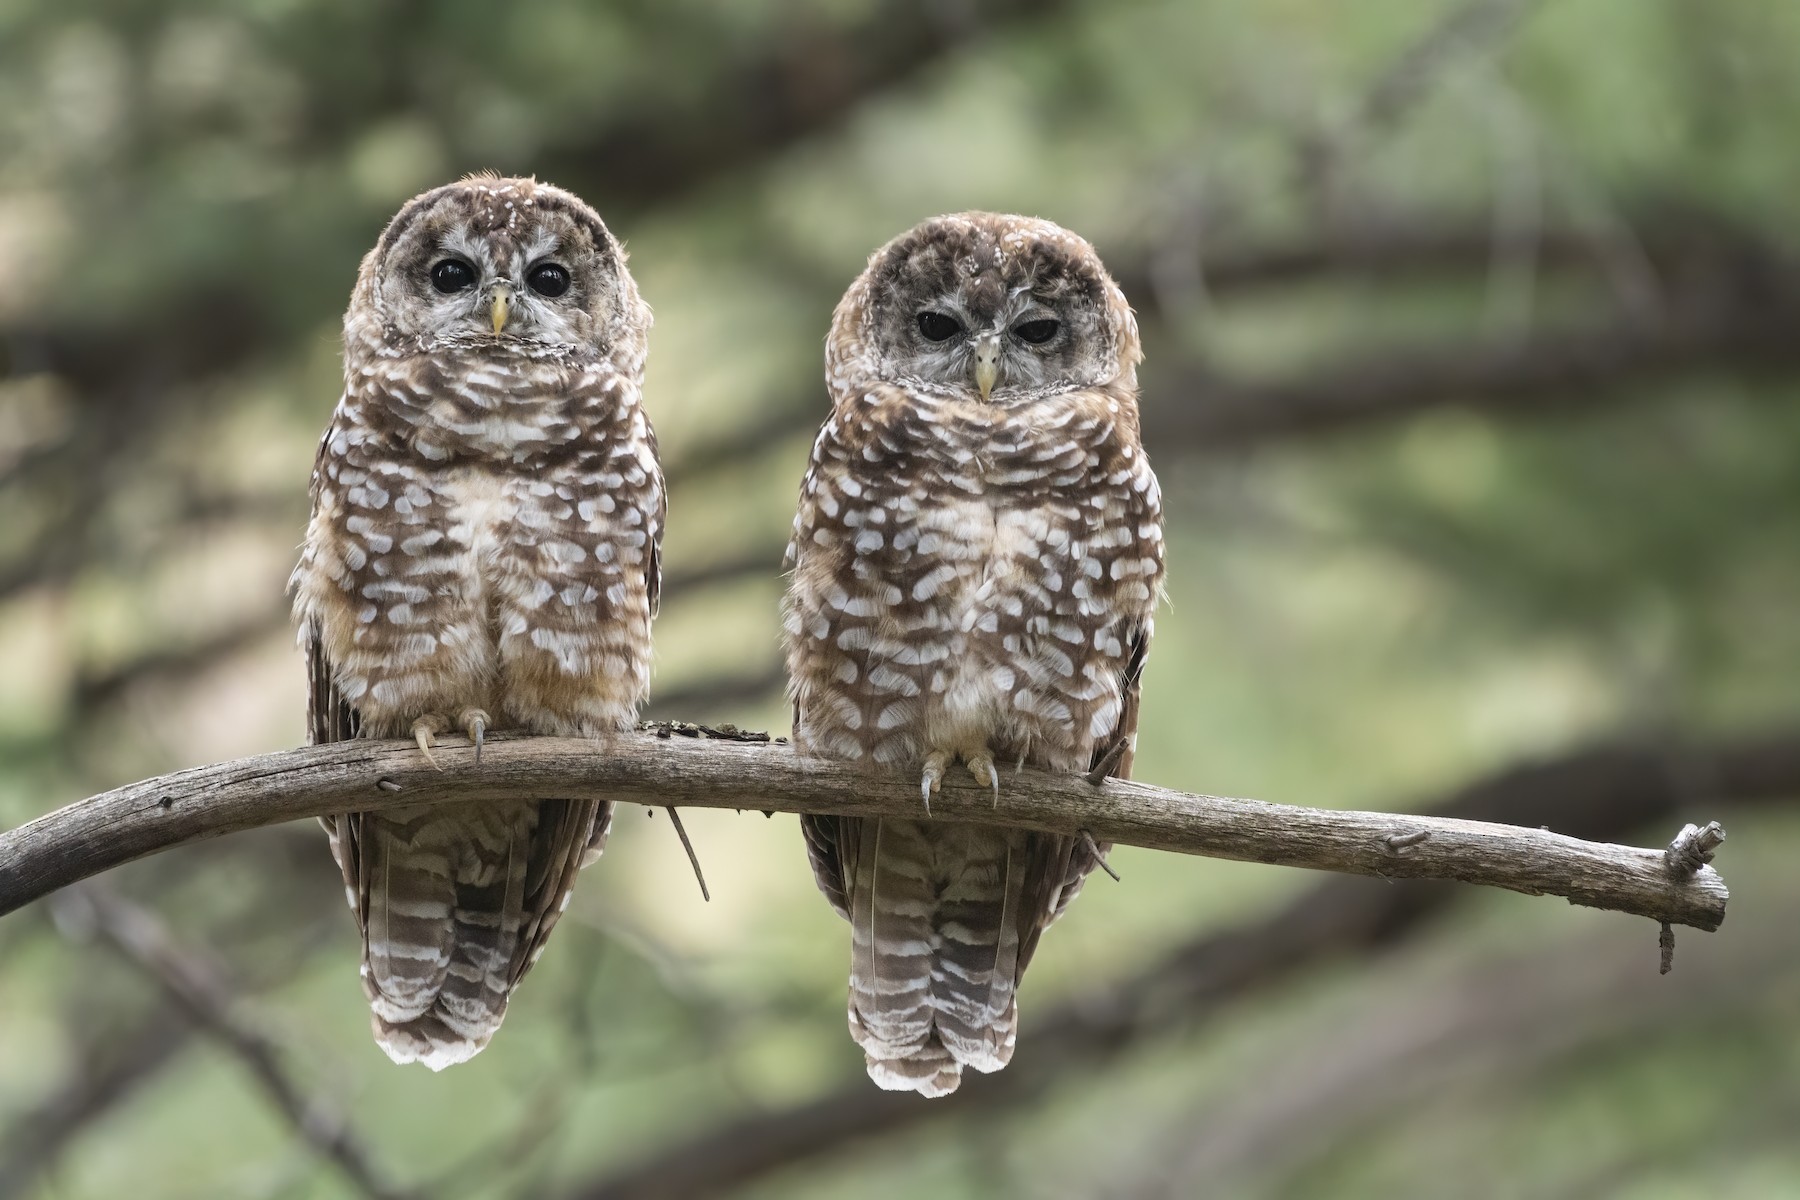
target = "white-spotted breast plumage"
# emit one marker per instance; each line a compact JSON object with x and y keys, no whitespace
{"x":487,"y":513}
{"x":976,"y":561}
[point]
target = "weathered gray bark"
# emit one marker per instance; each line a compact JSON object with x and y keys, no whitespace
{"x":658,"y":770}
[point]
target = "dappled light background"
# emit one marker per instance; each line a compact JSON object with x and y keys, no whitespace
{"x":1473,"y":381}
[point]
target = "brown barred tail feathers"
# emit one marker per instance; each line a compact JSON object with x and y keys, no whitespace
{"x":456,"y":911}
{"x":944,"y":920}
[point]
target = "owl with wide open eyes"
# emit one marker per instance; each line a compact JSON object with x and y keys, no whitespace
{"x":487,"y":514}
{"x":976,"y":560}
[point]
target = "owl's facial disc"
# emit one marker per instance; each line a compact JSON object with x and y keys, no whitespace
{"x":999,"y":309}
{"x":997,"y":350}
{"x":502,"y":266}
{"x":509,"y":289}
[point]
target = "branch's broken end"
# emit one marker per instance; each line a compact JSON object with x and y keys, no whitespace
{"x":1693,"y":848}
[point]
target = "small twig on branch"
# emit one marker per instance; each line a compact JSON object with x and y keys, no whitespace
{"x":116,"y":827}
{"x":197,"y":985}
{"x":688,"y":845}
{"x":1104,"y":768}
{"x":1093,"y":848}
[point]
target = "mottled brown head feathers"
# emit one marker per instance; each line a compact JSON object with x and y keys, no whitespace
{"x":503,"y":230}
{"x":985,"y":275}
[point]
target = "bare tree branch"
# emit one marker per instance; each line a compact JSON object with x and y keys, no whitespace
{"x":1728,"y":303}
{"x":1403,"y":1039}
{"x":119,"y":1062}
{"x":196,"y":984}
{"x":806,"y":78}
{"x":1423,"y":246}
{"x":1469,"y":29}
{"x":1603,"y":792}
{"x":175,"y":664}
{"x":1545,"y":372}
{"x":112,"y":1070}
{"x":659,"y":772}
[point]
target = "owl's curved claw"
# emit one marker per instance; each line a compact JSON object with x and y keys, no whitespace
{"x":932,"y":777}
{"x":981,"y":766}
{"x":475,"y":722}
{"x":425,"y":731}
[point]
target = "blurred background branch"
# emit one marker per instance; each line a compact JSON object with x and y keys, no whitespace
{"x":1603,"y":792}
{"x":197,"y":986}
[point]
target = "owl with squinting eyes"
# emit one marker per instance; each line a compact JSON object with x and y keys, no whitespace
{"x":976,"y":559}
{"x":487,"y":512}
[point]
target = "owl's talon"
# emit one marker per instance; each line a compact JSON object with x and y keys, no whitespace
{"x":475,"y":722}
{"x":425,"y":731}
{"x":981,"y":766}
{"x":932,"y":777}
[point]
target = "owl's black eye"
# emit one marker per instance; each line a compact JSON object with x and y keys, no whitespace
{"x":548,"y":279}
{"x":937,"y":327}
{"x":1037,"y":332}
{"x":452,"y":275}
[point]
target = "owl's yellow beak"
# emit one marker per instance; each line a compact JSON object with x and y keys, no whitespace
{"x":502,"y":302}
{"x":987,"y":362}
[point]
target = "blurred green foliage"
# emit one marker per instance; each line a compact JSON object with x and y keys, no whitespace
{"x":1362,"y":613}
